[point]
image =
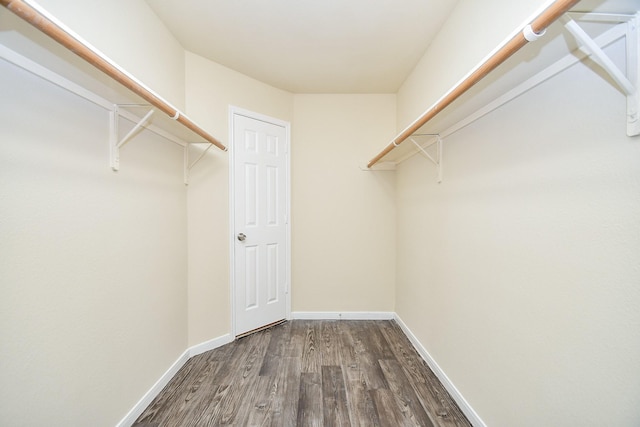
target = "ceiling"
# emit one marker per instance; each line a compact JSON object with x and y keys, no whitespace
{"x":310,"y":46}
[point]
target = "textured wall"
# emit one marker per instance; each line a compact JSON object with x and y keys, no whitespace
{"x":94,"y":263}
{"x":129,"y":33}
{"x":211,"y":89}
{"x":93,"y":267}
{"x":522,"y":278}
{"x":343,"y":218}
{"x":471,"y":33}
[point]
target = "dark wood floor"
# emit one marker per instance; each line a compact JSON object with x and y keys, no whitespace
{"x":308,"y":373}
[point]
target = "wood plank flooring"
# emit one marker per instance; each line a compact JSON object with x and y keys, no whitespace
{"x":308,"y":373}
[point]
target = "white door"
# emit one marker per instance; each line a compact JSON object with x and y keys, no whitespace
{"x":260,"y":173}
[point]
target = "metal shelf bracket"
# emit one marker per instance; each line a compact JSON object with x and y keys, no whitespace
{"x":187,"y":166}
{"x":438,"y":160}
{"x":115,"y":143}
{"x":628,"y":82}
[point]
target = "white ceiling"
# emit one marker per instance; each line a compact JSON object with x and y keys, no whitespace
{"x":310,"y":46}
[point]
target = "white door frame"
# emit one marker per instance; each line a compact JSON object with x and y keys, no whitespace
{"x":233,"y":111}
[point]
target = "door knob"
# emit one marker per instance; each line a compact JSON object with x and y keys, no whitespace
{"x":241,"y":237}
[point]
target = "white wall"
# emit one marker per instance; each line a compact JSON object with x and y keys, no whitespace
{"x":93,"y":265}
{"x":517,"y":273}
{"x":323,"y":126}
{"x":211,"y":89}
{"x":129,"y":33}
{"x":471,"y":33}
{"x":343,"y":218}
{"x":522,"y":278}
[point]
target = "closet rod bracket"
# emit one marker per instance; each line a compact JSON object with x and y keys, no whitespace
{"x":187,"y":165}
{"x":531,"y":35}
{"x":628,"y":81}
{"x":115,"y":142}
{"x":423,"y":149}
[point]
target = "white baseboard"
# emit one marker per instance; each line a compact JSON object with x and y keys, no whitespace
{"x":148,"y":397}
{"x":343,"y":315}
{"x":210,"y":345}
{"x":464,"y":406}
{"x":146,"y":400}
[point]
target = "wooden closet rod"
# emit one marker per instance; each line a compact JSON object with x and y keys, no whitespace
{"x":546,"y":18}
{"x":42,"y":23}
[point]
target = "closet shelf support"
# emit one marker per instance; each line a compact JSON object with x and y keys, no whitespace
{"x":628,"y":82}
{"x":115,"y":143}
{"x":188,"y":166}
{"x":33,"y":14}
{"x":135,"y":129}
{"x":438,"y":161}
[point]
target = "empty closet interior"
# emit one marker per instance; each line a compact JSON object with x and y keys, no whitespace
{"x":489,"y":205}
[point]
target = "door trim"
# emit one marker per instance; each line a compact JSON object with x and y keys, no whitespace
{"x":233,"y":111}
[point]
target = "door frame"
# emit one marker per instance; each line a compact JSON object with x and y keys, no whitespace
{"x":233,"y":111}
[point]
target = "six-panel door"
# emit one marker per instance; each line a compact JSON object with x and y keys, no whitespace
{"x":260,"y":223}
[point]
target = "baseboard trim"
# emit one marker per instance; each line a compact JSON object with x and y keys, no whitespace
{"x":343,"y":315}
{"x":148,"y":397}
{"x":468,"y":411}
{"x":210,"y":345}
{"x":146,"y":400}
